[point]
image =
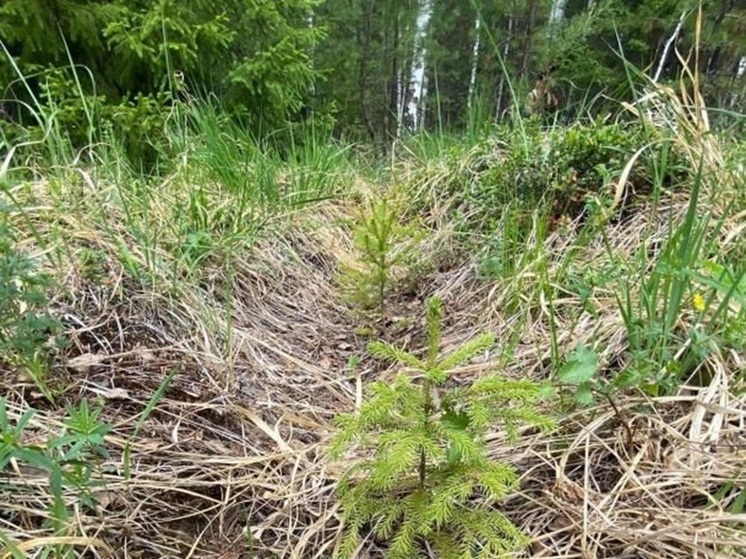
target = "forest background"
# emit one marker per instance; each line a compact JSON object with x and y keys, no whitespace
{"x":365,"y":70}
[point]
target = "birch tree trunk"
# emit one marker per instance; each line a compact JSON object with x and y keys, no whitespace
{"x":736,"y":94}
{"x":474,"y":64}
{"x":557,"y":13}
{"x":418,"y":77}
{"x":667,"y":47}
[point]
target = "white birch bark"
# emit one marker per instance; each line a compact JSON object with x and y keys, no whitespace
{"x":474,"y":63}
{"x":418,"y":79}
{"x":557,"y":13}
{"x":400,"y":98}
{"x":736,"y":95}
{"x":667,"y":47}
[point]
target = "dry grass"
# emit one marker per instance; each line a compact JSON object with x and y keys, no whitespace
{"x":231,"y":463}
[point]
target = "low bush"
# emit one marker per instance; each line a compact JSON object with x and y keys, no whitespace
{"x":562,"y":168}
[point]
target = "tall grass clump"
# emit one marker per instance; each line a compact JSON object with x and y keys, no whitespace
{"x":676,"y":311}
{"x":652,"y":305}
{"x":213,"y":193}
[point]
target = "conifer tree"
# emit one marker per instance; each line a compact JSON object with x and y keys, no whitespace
{"x":255,"y":56}
{"x":423,"y":436}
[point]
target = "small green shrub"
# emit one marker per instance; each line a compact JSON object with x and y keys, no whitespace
{"x":581,"y":374}
{"x":563,"y":168}
{"x":26,"y":328}
{"x":386,"y":246}
{"x":428,"y":459}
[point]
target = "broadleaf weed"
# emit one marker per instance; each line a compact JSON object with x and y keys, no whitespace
{"x":26,"y":328}
{"x":69,"y":458}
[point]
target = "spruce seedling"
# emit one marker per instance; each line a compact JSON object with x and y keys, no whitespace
{"x":426,"y":455}
{"x":384,"y":244}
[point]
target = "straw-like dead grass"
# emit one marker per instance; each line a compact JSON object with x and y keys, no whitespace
{"x":231,"y":462}
{"x":253,"y":362}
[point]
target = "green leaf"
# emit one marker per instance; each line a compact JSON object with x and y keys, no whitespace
{"x":23,"y":421}
{"x":738,"y":504}
{"x":580,"y":367}
{"x":627,"y":378}
{"x":584,"y":394}
{"x":35,"y":458}
{"x":546,"y":390}
{"x":11,"y":547}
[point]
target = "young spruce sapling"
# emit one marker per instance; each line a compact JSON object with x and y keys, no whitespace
{"x":426,"y":481}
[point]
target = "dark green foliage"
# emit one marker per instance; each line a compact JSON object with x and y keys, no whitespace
{"x":276,"y":64}
{"x":136,"y":124}
{"x":429,"y":459}
{"x":135,"y":58}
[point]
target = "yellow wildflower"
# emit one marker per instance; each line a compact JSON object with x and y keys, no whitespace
{"x":698,"y":302}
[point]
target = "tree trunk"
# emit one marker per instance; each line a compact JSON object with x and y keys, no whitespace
{"x":474,"y":64}
{"x":557,"y":13}
{"x":418,"y":79}
{"x":667,"y":47}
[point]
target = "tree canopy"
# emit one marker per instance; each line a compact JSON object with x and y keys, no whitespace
{"x":375,"y":68}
